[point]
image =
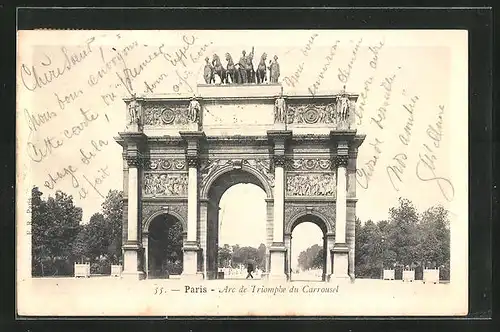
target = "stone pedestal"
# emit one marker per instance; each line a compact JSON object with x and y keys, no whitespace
{"x":131,"y":262}
{"x":277,"y":253}
{"x":190,"y":262}
{"x":340,"y":262}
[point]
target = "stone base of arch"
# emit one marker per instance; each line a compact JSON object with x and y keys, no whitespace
{"x":132,"y":254}
{"x":191,"y":252}
{"x":278,"y":265}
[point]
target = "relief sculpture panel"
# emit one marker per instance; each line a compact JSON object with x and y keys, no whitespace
{"x":164,"y":184}
{"x":315,"y":184}
{"x":164,"y":115}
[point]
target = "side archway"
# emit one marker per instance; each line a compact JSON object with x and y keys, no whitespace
{"x":163,"y":239}
{"x":327,"y":229}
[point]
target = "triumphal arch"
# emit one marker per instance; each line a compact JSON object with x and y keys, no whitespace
{"x":180,"y":154}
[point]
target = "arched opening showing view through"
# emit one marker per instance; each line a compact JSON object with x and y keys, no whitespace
{"x":164,"y":255}
{"x":236,"y":229}
{"x":308,"y":250}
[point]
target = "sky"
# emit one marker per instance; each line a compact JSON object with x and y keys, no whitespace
{"x":425,"y":68}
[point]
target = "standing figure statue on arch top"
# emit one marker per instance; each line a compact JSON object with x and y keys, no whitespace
{"x":249,"y":67}
{"x":274,"y":69}
{"x":262,"y":70}
{"x":208,"y":72}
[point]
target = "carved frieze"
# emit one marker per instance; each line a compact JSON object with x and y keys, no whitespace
{"x":311,"y":114}
{"x":165,"y":115}
{"x":164,"y":164}
{"x":165,"y":184}
{"x":314,"y":184}
{"x":337,"y":112}
{"x":179,"y":209}
{"x":310,"y":164}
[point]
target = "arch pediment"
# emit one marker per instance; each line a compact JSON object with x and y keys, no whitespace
{"x":294,"y":211}
{"x":226,"y":172}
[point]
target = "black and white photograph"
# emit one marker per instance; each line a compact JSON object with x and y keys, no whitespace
{"x":242,"y":172}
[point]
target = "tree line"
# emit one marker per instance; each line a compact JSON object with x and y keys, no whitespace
{"x":407,"y":239}
{"x":59,"y":239}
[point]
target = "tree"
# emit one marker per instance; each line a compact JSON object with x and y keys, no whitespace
{"x":55,"y":226}
{"x":403,"y":232}
{"x":407,"y":238}
{"x":98,"y":235}
{"x":318,"y":260}
{"x":309,"y":259}
{"x":225,"y":255}
{"x":435,"y":237}
{"x":262,"y":257}
{"x":112,"y":210}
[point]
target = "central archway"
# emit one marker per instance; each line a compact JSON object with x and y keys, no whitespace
{"x":215,"y":189}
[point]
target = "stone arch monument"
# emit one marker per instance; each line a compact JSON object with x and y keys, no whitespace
{"x":180,"y":154}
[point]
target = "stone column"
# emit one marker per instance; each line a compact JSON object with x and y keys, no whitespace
{"x":191,"y":246}
{"x":145,"y":245}
{"x":288,"y":246}
{"x":330,"y":240}
{"x":203,"y":220}
{"x":277,"y":249}
{"x":340,"y":249}
{"x":132,"y":246}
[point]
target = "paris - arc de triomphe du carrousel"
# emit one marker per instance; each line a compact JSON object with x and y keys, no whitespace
{"x":180,"y":154}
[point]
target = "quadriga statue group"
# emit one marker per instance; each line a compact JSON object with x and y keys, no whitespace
{"x":241,"y":72}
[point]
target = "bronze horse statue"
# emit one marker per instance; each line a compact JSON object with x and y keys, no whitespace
{"x":218,"y":68}
{"x":261,"y":69}
{"x":232,"y":74}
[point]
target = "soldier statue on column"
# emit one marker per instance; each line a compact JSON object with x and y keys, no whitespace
{"x":343,"y":105}
{"x":193,"y":110}
{"x":133,"y":114}
{"x":280,"y":108}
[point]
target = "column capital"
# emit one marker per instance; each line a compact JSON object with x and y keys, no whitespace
{"x":279,"y":139}
{"x":341,"y":160}
{"x":279,"y":160}
{"x":192,"y":161}
{"x":134,"y":160}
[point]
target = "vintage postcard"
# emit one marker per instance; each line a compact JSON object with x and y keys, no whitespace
{"x":242,"y":173}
